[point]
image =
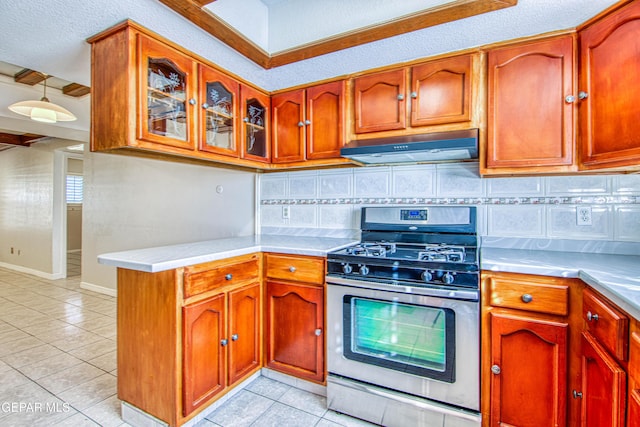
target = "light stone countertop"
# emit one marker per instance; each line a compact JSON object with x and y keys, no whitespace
{"x":169,"y":257}
{"x":617,"y":277}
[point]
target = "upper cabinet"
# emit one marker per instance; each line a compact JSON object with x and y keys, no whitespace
{"x":531,"y":108}
{"x":434,"y":93}
{"x":256,"y":124}
{"x":610,"y":84}
{"x":308,"y":124}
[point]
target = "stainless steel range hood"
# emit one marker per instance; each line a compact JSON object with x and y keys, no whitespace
{"x":423,"y":148}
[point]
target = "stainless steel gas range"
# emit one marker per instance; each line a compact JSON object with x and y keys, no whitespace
{"x":403,"y":319}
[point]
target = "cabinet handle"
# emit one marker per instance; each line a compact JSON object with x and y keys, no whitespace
{"x":292,"y":269}
{"x":527,"y":298}
{"x":414,"y":95}
{"x":570,"y":99}
{"x":583,"y":95}
{"x":591,"y":317}
{"x":496,"y":369}
{"x":300,"y":124}
{"x":224,"y":343}
{"x":192,"y":101}
{"x":577,"y":394}
{"x":307,"y":122}
{"x":400,"y":97}
{"x":205,"y":106}
{"x":318,"y":332}
{"x":234,"y":337}
{"x":246,"y":120}
{"x":228,"y":276}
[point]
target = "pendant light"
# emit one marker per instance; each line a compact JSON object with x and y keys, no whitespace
{"x":43,"y":110}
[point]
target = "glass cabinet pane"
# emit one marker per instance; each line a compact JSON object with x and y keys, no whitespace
{"x":166,"y":93}
{"x":219,"y":117}
{"x":254,"y":122}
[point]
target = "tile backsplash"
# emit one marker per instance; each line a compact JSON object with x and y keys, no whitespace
{"x":329,"y":201}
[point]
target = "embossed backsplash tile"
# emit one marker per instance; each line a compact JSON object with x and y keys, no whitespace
{"x":529,"y":207}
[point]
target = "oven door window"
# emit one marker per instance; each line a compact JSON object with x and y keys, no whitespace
{"x":410,"y":338}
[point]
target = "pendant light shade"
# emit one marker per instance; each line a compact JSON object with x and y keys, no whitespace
{"x":43,"y":110}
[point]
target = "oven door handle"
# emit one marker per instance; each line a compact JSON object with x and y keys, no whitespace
{"x":459,"y":294}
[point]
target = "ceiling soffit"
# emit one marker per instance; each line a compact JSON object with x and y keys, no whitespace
{"x":195,"y":11}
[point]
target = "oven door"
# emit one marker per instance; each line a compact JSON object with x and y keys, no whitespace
{"x":418,"y":344}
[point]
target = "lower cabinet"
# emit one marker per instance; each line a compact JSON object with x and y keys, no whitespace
{"x":221,"y":343}
{"x":295,"y":329}
{"x":529,"y":371}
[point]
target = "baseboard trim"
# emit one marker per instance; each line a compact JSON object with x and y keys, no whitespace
{"x":100,"y":289}
{"x":32,"y":271}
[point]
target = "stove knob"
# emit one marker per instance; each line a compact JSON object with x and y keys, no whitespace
{"x":447,"y":278}
{"x":347,"y":269}
{"x":427,"y":276}
{"x":364,"y":270}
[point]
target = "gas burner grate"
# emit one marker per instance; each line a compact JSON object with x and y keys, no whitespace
{"x":442,"y":253}
{"x":376,"y":249}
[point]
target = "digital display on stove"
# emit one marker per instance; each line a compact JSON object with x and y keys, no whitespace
{"x":413,"y":214}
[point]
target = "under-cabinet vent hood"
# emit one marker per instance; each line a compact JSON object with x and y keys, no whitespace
{"x":423,"y":148}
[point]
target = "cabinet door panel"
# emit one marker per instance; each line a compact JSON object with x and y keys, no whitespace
{"x":166,"y":85}
{"x":529,"y":122}
{"x":288,"y":127}
{"x":604,"y":386}
{"x":530,"y":389}
{"x":244,"y":332}
{"x":380,"y":101}
{"x":608,"y":325}
{"x":325,"y":114}
{"x":295,"y":313}
{"x":442,"y":92}
{"x":634,"y":408}
{"x":256,"y":124}
{"x":609,"y":126}
{"x":204,"y":356}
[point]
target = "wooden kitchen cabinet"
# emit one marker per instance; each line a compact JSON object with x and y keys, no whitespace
{"x":610,"y":83}
{"x":633,"y":409}
{"x":255,"y":130}
{"x":295,"y":339}
{"x":308,"y":124}
{"x":439,"y":93}
{"x":531,"y":105}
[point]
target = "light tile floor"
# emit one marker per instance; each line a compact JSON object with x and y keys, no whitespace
{"x":58,"y":365}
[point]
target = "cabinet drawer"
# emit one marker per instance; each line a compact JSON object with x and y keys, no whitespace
{"x":296,"y":268}
{"x":196,"y":282}
{"x":606,"y":323}
{"x":634,"y":357}
{"x":530,"y":295}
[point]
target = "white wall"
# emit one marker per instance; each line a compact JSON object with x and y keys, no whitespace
{"x":132,"y":203}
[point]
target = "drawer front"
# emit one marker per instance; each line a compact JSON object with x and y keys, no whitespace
{"x":198,"y":282}
{"x":634,"y":358}
{"x":609,"y":325}
{"x":530,"y":296}
{"x":296,"y":268}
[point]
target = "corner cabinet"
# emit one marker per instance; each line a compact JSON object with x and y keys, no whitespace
{"x":295,"y":339}
{"x":151,"y":97}
{"x":610,"y":84}
{"x":531,"y":107}
{"x":308,"y":124}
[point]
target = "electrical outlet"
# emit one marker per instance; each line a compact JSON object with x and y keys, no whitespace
{"x":11,"y":251}
{"x":583,"y":215}
{"x":286,"y":212}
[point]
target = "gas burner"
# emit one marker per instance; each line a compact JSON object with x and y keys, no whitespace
{"x":442,"y":253}
{"x":375,"y":249}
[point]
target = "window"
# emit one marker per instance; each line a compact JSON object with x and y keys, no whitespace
{"x":74,"y":188}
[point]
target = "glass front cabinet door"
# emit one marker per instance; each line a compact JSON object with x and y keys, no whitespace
{"x":218,"y":96}
{"x":255,"y":128}
{"x":167,"y":92}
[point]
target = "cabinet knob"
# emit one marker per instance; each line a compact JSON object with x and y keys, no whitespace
{"x":300,"y":124}
{"x":223,"y":342}
{"x":527,"y":298}
{"x":205,"y":106}
{"x":570,"y":99}
{"x":228,"y":276}
{"x":318,"y":332}
{"x":495,"y":369}
{"x":307,"y":122}
{"x":583,"y":95}
{"x":414,"y":95}
{"x":192,"y":101}
{"x":577,"y":394}
{"x":400,"y":97}
{"x":592,"y":316}
{"x":246,"y":120}
{"x":234,"y":337}
{"x":292,"y":269}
